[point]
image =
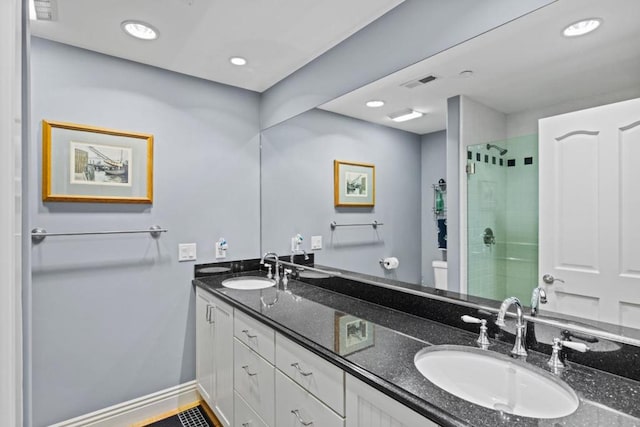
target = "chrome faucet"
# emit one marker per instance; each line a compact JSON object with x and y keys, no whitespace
{"x":518,"y":347}
{"x":273,"y":255}
{"x":539,"y":296}
{"x":293,"y":254}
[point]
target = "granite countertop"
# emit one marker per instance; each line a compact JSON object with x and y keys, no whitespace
{"x":309,"y":315}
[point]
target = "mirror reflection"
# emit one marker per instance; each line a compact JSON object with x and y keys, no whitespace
{"x":496,"y":89}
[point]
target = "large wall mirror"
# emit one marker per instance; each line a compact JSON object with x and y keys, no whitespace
{"x":496,"y":88}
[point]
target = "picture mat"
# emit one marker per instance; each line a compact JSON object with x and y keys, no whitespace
{"x":61,"y":164}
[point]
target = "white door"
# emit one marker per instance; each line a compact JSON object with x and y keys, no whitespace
{"x":590,"y":212}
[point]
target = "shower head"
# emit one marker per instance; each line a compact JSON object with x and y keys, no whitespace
{"x":501,"y":150}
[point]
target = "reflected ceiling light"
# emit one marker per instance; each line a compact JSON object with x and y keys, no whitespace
{"x":466,"y":73}
{"x":140,"y":30}
{"x":238,"y":60}
{"x":374,"y":103}
{"x":582,"y":27}
{"x":404,"y":115}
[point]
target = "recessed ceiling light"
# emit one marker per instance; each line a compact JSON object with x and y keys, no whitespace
{"x":238,"y":60}
{"x":374,"y":103}
{"x":140,"y":30}
{"x":582,"y":27}
{"x":404,"y":115}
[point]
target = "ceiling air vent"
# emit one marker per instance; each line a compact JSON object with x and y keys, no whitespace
{"x":419,"y":82}
{"x":42,"y":10}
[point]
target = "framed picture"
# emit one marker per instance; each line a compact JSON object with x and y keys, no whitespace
{"x":354,"y":184}
{"x":352,"y":334}
{"x":83,"y":163}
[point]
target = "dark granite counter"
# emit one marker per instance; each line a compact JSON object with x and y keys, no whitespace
{"x":312,"y":316}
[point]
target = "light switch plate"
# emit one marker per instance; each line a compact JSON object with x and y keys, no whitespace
{"x":316,"y":243}
{"x":186,"y":252}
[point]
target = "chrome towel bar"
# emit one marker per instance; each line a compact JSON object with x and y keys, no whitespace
{"x":39,"y":234}
{"x":373,"y":224}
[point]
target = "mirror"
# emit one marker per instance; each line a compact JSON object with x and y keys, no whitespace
{"x":498,"y":85}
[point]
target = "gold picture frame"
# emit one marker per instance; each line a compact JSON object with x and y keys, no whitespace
{"x":82,"y":163}
{"x":354,"y":184}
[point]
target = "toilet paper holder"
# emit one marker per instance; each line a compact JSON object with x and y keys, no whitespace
{"x":390,"y":263}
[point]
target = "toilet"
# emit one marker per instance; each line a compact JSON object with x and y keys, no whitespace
{"x":440,"y":274}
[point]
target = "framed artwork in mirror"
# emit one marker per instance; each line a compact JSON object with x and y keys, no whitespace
{"x":354,"y":184}
{"x":352,"y":334}
{"x":82,"y":163}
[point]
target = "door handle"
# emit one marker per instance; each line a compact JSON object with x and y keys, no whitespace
{"x":549,"y":279}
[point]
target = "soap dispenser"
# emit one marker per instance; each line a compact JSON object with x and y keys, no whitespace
{"x":221,"y":248}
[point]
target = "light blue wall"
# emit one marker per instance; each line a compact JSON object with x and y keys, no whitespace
{"x":434,"y":167}
{"x":413,"y":31}
{"x":297,"y":192}
{"x":112,"y":316}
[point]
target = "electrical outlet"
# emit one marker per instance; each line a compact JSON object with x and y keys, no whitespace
{"x":186,"y":252}
{"x":316,"y":243}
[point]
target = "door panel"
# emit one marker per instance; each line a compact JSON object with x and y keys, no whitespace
{"x":589,"y":210}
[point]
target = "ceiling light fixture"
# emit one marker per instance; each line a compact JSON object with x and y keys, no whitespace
{"x":404,"y":115}
{"x":582,"y":27}
{"x":238,"y":60}
{"x":374,"y":103}
{"x":140,"y":30}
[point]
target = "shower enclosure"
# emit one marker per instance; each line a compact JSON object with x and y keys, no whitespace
{"x":502,"y":218}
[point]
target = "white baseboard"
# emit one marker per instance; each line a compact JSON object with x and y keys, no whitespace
{"x":137,"y":410}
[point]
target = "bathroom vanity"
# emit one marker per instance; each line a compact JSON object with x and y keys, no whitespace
{"x":301,"y":354}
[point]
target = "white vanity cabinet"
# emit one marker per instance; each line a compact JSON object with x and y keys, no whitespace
{"x":214,"y":354}
{"x":252,"y":376}
{"x":368,"y":407}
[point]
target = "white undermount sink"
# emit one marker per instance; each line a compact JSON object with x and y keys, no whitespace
{"x":497,"y":382}
{"x":248,"y":283}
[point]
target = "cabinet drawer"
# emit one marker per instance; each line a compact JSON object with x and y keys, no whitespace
{"x":295,"y":406}
{"x":244,"y":416}
{"x":314,"y":374}
{"x":256,"y":335}
{"x":254,"y":381}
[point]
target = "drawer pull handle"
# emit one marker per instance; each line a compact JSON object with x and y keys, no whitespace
{"x":297,"y":366}
{"x":247,"y":424}
{"x":246,"y":332}
{"x":246,"y":369}
{"x":300,"y":420}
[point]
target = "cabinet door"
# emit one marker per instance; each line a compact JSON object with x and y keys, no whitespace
{"x":223,"y":358}
{"x":205,"y":334}
{"x":368,"y":407}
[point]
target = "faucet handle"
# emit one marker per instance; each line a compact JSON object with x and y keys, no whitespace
{"x":578,"y":346}
{"x":483,"y":339}
{"x":269,"y":275}
{"x":555,"y":362}
{"x":470,"y":319}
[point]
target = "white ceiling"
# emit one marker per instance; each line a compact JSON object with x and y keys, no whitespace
{"x":523,"y":65}
{"x":197,"y":37}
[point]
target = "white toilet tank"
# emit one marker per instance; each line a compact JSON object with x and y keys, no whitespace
{"x":440,"y":274}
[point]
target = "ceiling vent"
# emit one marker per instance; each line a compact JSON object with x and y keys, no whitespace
{"x":43,"y":10}
{"x":419,"y":82}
